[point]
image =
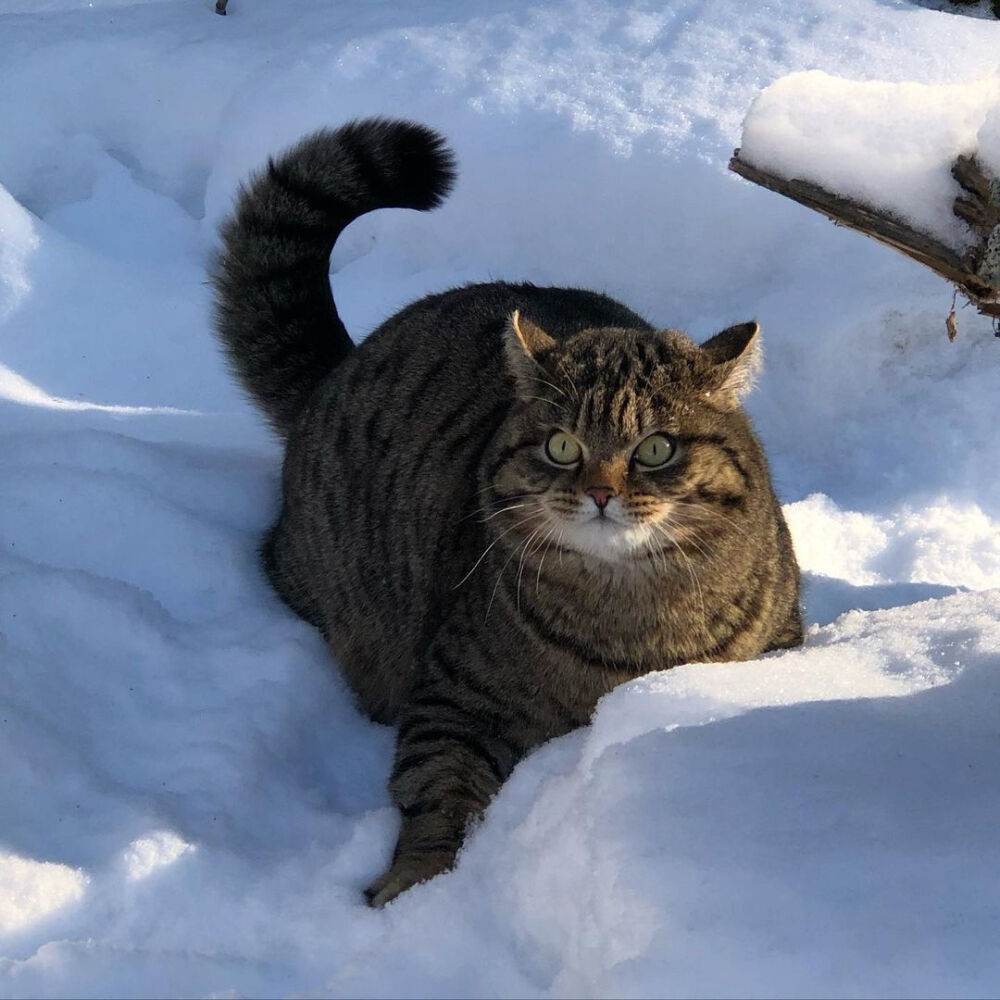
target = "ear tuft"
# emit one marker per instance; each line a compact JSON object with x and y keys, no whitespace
{"x":736,"y":358}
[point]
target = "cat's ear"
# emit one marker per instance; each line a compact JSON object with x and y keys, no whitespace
{"x":736,"y":358}
{"x":525,"y":345}
{"x":524,"y":337}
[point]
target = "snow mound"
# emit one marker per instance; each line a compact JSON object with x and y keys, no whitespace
{"x":30,"y":890}
{"x":598,"y":865}
{"x":888,"y":145}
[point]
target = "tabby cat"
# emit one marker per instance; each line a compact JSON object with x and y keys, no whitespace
{"x":507,"y":500}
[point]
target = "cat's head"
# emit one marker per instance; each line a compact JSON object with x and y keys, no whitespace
{"x":625,"y":442}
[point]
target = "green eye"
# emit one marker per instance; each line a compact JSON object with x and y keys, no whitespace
{"x":655,"y":451}
{"x":563,"y":448}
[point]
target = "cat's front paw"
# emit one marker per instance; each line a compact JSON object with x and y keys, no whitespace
{"x":403,"y":874}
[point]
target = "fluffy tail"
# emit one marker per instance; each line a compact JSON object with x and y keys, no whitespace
{"x":274,"y":309}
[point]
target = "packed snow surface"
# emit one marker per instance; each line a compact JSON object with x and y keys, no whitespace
{"x":888,"y":145}
{"x":190,"y":803}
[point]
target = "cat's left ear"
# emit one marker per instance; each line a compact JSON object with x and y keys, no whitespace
{"x":526,"y":346}
{"x":736,"y":358}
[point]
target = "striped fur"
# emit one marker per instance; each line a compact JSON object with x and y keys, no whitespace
{"x":470,"y":589}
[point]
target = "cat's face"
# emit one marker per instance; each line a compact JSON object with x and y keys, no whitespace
{"x":619,"y":447}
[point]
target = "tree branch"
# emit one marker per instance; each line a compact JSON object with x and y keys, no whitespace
{"x":976,"y":273}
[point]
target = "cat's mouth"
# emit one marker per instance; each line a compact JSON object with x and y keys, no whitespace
{"x":607,"y":537}
{"x":608,"y":532}
{"x":602,"y":515}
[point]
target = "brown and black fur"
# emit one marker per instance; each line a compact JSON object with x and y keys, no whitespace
{"x":460,"y":578}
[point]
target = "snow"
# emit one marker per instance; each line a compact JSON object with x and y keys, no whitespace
{"x":889,"y":145}
{"x":989,"y":140}
{"x":190,"y":804}
{"x":33,"y":889}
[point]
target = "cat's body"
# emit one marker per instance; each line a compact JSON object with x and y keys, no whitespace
{"x":475,"y":587}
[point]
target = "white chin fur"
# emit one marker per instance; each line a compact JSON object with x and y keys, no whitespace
{"x":606,"y":539}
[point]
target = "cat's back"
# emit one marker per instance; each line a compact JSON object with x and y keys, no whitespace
{"x":428,"y":387}
{"x":462,"y":328}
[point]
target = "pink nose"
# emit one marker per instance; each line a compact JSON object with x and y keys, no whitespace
{"x":601,"y":495}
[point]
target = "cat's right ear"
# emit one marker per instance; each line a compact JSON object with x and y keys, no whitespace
{"x":526,"y":346}
{"x":735,"y":356}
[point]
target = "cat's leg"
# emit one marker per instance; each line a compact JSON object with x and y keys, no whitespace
{"x":459,"y":739}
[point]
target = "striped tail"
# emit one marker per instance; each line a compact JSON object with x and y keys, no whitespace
{"x":274,"y":309}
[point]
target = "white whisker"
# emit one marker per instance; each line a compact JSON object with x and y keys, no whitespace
{"x":541,"y":562}
{"x":520,"y":565}
{"x":503,"y":569}
{"x":535,"y":378}
{"x":490,"y":546}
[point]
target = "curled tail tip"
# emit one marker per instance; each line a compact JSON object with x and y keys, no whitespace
{"x":374,"y":163}
{"x":426,"y":164}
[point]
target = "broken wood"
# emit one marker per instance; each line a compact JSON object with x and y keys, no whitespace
{"x":975,"y":273}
